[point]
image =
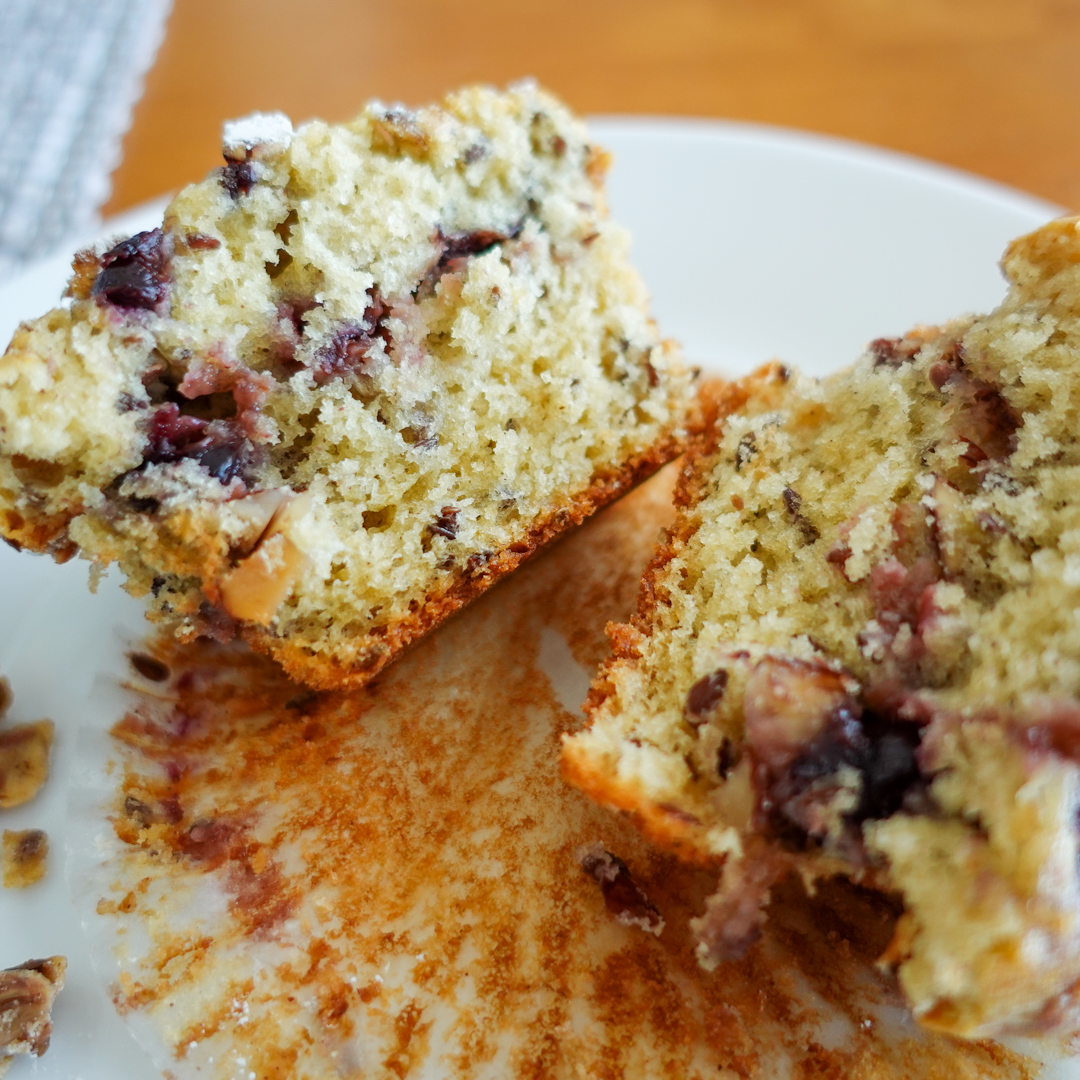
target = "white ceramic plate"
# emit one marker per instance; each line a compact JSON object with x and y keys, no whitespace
{"x":757,"y":243}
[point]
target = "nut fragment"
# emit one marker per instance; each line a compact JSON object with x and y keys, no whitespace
{"x":25,"y":852}
{"x":256,"y":587}
{"x":24,"y":761}
{"x":27,"y":993}
{"x":398,"y":130}
{"x":6,"y":697}
{"x":257,"y":511}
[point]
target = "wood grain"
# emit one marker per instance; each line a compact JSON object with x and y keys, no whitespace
{"x":992,"y":86}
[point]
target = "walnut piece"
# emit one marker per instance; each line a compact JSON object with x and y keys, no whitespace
{"x":24,"y":761}
{"x":24,"y":855}
{"x":257,"y":586}
{"x":27,"y":993}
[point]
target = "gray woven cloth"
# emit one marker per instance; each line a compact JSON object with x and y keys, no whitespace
{"x":70,"y":72}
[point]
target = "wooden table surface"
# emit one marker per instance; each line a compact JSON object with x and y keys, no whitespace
{"x":991,"y":86}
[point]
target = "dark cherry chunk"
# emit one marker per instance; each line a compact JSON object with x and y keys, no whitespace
{"x":885,"y":351}
{"x":238,"y":178}
{"x":476,"y":241}
{"x":890,"y":769}
{"x":981,"y":415}
{"x":623,"y":897}
{"x":461,"y":245}
{"x":892,"y":352}
{"x":227,"y":454}
{"x":346,"y":354}
{"x":135,"y":273}
{"x":219,"y":446}
{"x":197,"y":241}
{"x":705,"y":695}
{"x":805,"y":723}
{"x":170,"y":433}
{"x":445,"y":523}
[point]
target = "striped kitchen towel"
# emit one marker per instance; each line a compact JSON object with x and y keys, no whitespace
{"x":70,"y":73}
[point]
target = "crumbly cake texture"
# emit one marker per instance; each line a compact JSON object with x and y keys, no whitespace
{"x":358,"y":375}
{"x":858,"y":653}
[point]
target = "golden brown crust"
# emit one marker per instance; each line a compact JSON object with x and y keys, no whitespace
{"x":43,"y":535}
{"x":666,"y":827}
{"x":379,"y":648}
{"x":1043,"y":254}
{"x":723,"y":399}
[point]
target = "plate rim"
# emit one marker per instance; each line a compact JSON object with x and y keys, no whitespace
{"x":865,"y":157}
{"x":837,"y":147}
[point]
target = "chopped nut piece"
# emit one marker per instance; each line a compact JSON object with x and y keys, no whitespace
{"x":27,"y":993}
{"x":399,"y":130}
{"x":258,"y":510}
{"x":136,"y":273}
{"x":25,"y":852}
{"x":24,"y":761}
{"x":6,"y":697}
{"x":256,"y":587}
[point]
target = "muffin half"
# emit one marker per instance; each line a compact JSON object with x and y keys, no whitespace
{"x":356,"y":376}
{"x":859,"y":653}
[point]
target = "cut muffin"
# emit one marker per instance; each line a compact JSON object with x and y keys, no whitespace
{"x":859,"y":653}
{"x":358,"y":375}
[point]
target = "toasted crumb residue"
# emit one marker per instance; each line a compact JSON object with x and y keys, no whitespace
{"x":387,"y":884}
